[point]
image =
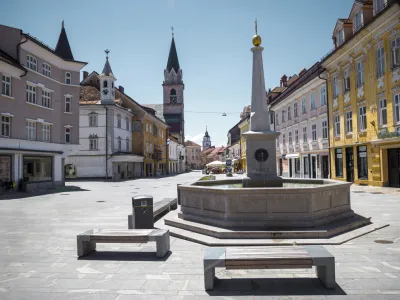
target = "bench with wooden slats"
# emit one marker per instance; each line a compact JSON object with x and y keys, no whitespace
{"x":270,"y":258}
{"x":86,"y":242}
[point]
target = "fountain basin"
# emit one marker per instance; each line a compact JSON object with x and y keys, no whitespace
{"x":300,"y":203}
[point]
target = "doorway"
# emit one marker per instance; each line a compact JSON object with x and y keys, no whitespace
{"x":349,"y":165}
{"x":313,"y":167}
{"x":325,"y":166}
{"x":394,"y":167}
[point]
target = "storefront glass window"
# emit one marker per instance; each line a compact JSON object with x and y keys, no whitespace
{"x":38,"y":168}
{"x":339,"y":162}
{"x":297,"y":165}
{"x":362,"y":162}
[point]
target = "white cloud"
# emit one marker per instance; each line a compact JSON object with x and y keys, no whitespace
{"x":198,"y":138}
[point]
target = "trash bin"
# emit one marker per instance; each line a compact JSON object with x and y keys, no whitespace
{"x":142,"y":212}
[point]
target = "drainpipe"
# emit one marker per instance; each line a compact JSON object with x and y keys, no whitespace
{"x":18,"y":50}
{"x":327,"y":106}
{"x":106,"y":141}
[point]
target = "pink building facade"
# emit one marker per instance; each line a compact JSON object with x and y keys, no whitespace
{"x":301,"y":118}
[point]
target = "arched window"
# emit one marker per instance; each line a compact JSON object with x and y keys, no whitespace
{"x":105,"y":84}
{"x":112,"y":84}
{"x":172,"y":96}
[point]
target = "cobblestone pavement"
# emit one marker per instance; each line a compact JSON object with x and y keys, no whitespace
{"x":38,"y":252}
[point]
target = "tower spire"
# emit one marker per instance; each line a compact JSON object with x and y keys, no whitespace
{"x":173,"y":62}
{"x":63,"y":49}
{"x":107,"y":67}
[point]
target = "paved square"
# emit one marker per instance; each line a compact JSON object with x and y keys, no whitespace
{"x":38,"y":252}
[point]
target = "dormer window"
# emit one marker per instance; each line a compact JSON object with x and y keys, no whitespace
{"x":340,"y":37}
{"x":379,"y":5}
{"x":358,"y":21}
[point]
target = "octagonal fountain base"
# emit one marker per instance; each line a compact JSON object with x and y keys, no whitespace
{"x":301,"y":209}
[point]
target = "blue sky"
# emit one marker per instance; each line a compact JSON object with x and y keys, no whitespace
{"x":213,"y":40}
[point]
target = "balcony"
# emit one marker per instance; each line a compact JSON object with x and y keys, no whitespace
{"x":295,"y":120}
{"x":305,"y":147}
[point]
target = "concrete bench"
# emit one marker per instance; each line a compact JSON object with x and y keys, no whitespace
{"x":87,"y":240}
{"x":270,"y":258}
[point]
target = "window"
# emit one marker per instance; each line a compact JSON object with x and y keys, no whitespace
{"x":362,"y":162}
{"x":147,"y":127}
{"x":277,"y":118}
{"x":314,"y":132}
{"x":147,"y":147}
{"x":119,"y":143}
{"x":31,"y":130}
{"x":397,"y":108}
{"x":379,"y":5}
{"x":151,"y":129}
{"x":290,"y":138}
{"x":380,"y":62}
{"x":358,"y":21}
{"x":295,"y":110}
{"x":312,"y":101}
{"x":323,"y":95}
{"x":306,"y":164}
{"x":127,"y":123}
{"x":395,"y":52}
{"x":67,"y":78}
{"x":382,"y":113}
{"x":68,"y":103}
{"x":172,"y":96}
{"x":119,"y":121}
{"x":340,"y":37}
{"x":283,"y":140}
{"x":151,"y":148}
{"x":30,"y":94}
{"x":304,"y":135}
{"x":31,"y":63}
{"x":6,"y":85}
{"x":289,"y":114}
{"x":339,"y":162}
{"x":68,"y":135}
{"x":349,"y":122}
{"x":5,"y":126}
{"x":360,"y":73}
{"x":335,"y":87}
{"x":303,"y":105}
{"x":46,"y":69}
{"x":105,"y":84}
{"x":337,"y":125}
{"x":325,"y":129}
{"x":297,"y":165}
{"x":346,"y":80}
{"x":283,"y":116}
{"x":362,"y":115}
{"x":93,"y":142}
{"x":38,"y":168}
{"x":46,"y":132}
{"x":127,"y":145}
{"x":46,"y":99}
{"x":93,"y":120}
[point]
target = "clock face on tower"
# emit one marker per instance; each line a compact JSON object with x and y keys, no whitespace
{"x":105,"y":92}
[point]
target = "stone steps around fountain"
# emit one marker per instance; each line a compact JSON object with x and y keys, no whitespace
{"x":200,"y":233}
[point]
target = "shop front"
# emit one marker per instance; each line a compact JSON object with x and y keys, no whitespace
{"x":126,"y":166}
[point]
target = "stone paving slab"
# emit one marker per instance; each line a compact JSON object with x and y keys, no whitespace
{"x":38,"y":254}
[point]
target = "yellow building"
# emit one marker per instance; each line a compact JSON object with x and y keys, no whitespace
{"x":244,"y":126}
{"x":149,"y":139}
{"x":363,"y":73}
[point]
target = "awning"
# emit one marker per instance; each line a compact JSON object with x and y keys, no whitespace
{"x":295,"y":155}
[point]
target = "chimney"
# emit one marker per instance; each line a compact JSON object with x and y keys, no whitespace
{"x":121,"y":89}
{"x":284,"y":81}
{"x":85,"y":74}
{"x":302,"y":72}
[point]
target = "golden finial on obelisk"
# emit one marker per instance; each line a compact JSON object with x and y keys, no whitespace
{"x":256,"y":38}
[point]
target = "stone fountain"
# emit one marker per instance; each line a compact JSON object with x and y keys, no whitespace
{"x":262,"y":204}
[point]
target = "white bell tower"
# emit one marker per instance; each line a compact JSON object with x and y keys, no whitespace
{"x":107,"y":81}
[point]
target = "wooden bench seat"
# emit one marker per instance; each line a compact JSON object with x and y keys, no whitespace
{"x":270,"y":258}
{"x":86,"y":242}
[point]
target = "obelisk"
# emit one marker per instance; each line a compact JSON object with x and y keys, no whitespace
{"x":260,"y":140}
